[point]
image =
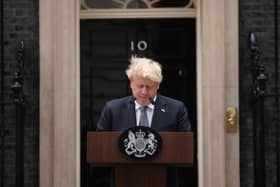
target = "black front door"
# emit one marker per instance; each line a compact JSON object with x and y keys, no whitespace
{"x":107,"y":46}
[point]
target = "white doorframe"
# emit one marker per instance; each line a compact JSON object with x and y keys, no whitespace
{"x":217,"y":88}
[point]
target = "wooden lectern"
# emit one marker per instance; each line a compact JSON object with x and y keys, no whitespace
{"x":103,"y":150}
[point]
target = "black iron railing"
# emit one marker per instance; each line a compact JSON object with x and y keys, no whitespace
{"x":258,"y":89}
{"x":18,"y":102}
{"x":260,"y":96}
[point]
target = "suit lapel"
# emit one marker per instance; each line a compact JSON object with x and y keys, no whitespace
{"x":160,"y":108}
{"x":131,"y":116}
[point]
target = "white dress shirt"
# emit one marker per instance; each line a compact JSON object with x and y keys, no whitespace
{"x":150,"y":112}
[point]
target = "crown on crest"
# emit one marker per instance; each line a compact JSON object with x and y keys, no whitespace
{"x":140,"y":134}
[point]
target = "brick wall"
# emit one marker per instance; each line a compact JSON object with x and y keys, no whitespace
{"x":21,"y":24}
{"x":257,"y":16}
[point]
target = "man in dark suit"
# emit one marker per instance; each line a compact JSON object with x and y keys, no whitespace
{"x":163,"y":113}
{"x":168,"y":115}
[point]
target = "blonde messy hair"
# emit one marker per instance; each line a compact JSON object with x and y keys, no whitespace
{"x":144,"y":67}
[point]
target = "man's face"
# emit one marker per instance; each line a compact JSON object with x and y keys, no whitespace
{"x":143,"y":89}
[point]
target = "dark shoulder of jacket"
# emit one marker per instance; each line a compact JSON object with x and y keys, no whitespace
{"x":120,"y":101}
{"x":169,"y":99}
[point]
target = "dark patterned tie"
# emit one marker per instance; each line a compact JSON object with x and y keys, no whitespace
{"x":143,"y":117}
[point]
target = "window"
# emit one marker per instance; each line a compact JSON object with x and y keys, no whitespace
{"x":136,"y":4}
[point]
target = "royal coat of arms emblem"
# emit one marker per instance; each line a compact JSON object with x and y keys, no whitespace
{"x":140,"y":142}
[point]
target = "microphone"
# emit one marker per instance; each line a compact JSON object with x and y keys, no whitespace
{"x":132,"y":100}
{"x":152,"y":101}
